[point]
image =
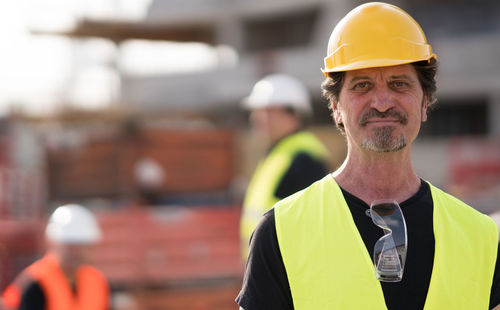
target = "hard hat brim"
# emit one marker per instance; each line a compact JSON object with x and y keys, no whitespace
{"x":373,"y":63}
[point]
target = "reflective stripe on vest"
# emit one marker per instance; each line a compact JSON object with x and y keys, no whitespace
{"x":260,"y":193}
{"x":328,"y":265}
{"x":92,"y":288}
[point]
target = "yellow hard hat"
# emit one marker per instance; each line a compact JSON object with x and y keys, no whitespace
{"x":375,"y":34}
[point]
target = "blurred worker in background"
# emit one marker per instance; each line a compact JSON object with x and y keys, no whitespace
{"x":279,"y":104}
{"x":149,"y":176}
{"x":373,"y":234}
{"x":61,"y":280}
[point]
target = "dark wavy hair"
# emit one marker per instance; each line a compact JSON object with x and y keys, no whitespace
{"x":426,"y":72}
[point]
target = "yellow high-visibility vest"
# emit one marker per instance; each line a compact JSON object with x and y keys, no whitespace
{"x":328,"y":265}
{"x":260,"y":193}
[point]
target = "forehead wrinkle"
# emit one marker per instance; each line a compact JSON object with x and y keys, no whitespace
{"x":370,"y":76}
{"x":380,"y":76}
{"x":383,"y":71}
{"x":359,"y":78}
{"x":401,"y":76}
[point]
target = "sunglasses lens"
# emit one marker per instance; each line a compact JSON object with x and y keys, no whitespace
{"x":387,"y":261}
{"x":390,"y":250}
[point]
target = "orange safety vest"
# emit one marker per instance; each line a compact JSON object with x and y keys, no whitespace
{"x":91,"y":287}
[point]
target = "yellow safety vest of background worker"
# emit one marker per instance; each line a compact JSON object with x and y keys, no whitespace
{"x":278,"y":105}
{"x":62,"y":280}
{"x":374,"y":235}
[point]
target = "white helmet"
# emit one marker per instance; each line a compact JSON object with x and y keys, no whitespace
{"x":279,"y":90}
{"x":73,"y":224}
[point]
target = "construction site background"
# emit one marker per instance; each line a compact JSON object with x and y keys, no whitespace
{"x":132,"y":108}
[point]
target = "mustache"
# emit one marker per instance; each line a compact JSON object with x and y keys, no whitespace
{"x":373,"y":113}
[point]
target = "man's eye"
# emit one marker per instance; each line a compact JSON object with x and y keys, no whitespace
{"x":399,"y":84}
{"x":361,"y":86}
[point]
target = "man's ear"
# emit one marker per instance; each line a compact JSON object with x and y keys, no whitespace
{"x":425,"y":104}
{"x":337,"y":116}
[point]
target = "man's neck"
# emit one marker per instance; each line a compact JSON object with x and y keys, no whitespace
{"x":372,"y":176}
{"x":69,"y":272}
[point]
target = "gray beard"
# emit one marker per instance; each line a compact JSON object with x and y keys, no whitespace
{"x":384,"y":141}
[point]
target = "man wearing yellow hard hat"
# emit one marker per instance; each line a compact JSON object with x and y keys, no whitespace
{"x":374,"y":234}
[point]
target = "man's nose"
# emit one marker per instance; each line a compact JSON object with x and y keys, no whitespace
{"x":382,"y":99}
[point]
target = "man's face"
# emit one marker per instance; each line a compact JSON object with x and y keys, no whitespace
{"x":267,"y":121}
{"x":72,"y":255}
{"x":381,"y":108}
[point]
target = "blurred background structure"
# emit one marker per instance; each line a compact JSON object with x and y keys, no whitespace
{"x":132,"y":107}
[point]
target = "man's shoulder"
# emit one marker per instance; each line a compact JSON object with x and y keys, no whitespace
{"x":33,"y":297}
{"x":303,"y":141}
{"x":305,"y":194}
{"x":452,"y":201}
{"x":303,"y":160}
{"x":460,"y":211}
{"x":23,"y":287}
{"x":34,"y":288}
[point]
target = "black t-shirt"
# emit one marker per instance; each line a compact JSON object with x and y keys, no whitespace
{"x":303,"y":171}
{"x":33,"y":298}
{"x":265,"y":284}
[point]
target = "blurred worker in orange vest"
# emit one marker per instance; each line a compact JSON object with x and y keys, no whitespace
{"x":61,"y":280}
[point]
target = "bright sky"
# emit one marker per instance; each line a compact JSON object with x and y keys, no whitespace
{"x":26,"y":74}
{"x":39,"y":73}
